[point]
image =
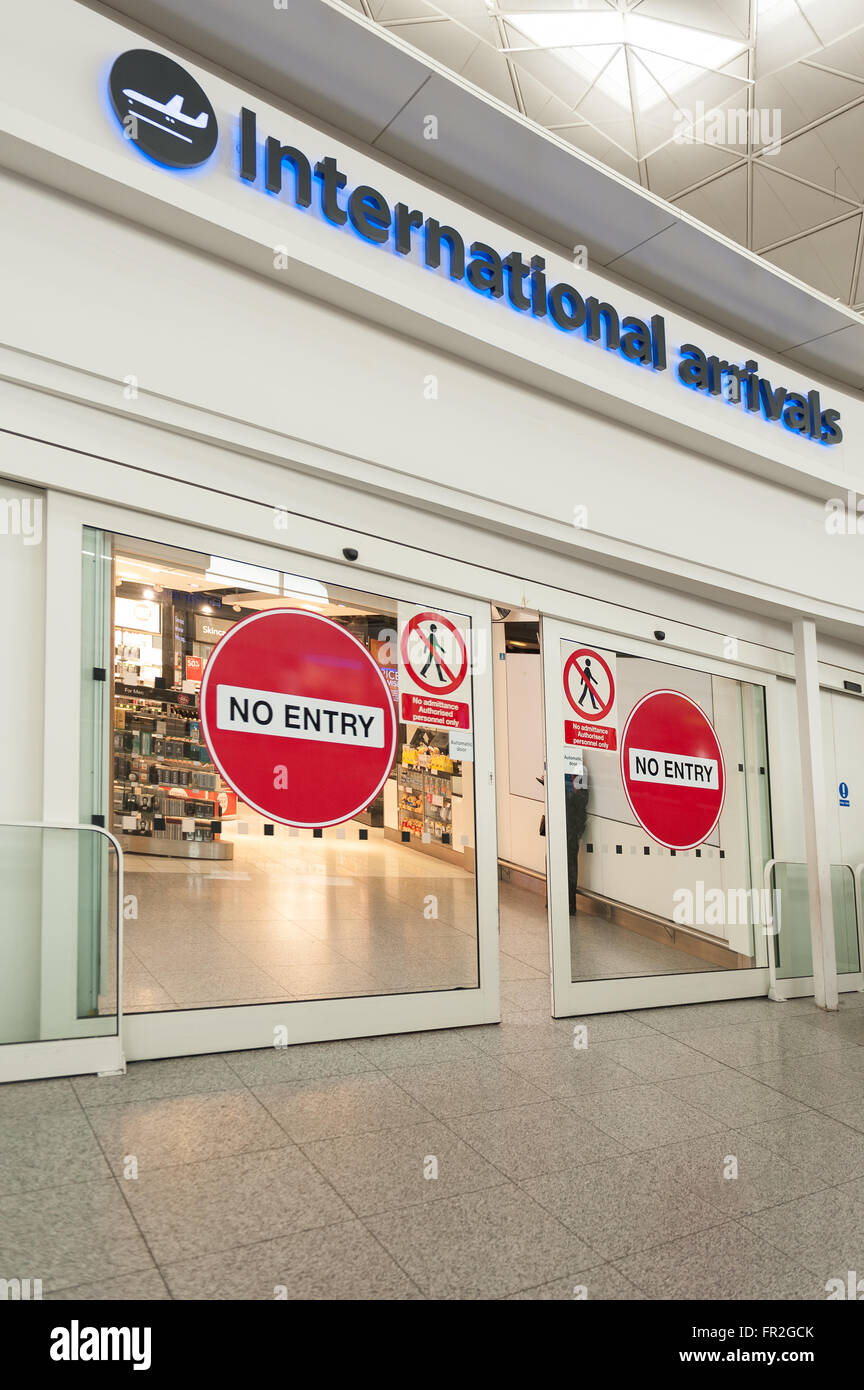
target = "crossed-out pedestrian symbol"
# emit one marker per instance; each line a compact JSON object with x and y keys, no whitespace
{"x":434,"y":653}
{"x":587,"y":673}
{"x":588,"y":679}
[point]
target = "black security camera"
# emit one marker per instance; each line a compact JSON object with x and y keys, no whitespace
{"x":661,"y":636}
{"x":350,"y":553}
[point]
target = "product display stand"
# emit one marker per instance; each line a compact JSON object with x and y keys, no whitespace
{"x":167,"y":792}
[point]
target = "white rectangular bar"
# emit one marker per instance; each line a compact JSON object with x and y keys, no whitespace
{"x":275,"y":712}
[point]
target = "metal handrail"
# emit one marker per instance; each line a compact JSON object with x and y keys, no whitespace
{"x":801,"y":863}
{"x":93,"y":830}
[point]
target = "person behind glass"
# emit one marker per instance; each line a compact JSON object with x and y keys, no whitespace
{"x":576,"y":812}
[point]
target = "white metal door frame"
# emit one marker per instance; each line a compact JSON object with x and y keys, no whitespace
{"x":190,"y":1031}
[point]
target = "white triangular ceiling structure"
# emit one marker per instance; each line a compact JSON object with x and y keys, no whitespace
{"x":771,"y":93}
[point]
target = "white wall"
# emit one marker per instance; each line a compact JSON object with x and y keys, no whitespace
{"x":75,"y":142}
{"x":120,"y":302}
{"x":101,"y":300}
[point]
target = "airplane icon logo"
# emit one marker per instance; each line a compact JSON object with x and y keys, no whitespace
{"x":162,"y":109}
{"x":170,"y":111}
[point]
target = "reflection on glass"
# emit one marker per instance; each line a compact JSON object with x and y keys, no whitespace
{"x":57,"y":981}
{"x":793,"y":958}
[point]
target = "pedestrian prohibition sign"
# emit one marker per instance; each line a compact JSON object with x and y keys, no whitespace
{"x":298,"y":717}
{"x":672,"y":769}
{"x":589,"y":687}
{"x":433,"y":671}
{"x":434,"y":653}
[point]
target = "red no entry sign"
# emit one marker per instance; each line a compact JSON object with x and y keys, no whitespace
{"x":298,"y":717}
{"x":672,"y":769}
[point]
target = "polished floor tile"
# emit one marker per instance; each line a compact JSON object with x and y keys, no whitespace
{"x":341,"y":1262}
{"x":735,"y":1173}
{"x":641,"y":1117}
{"x":659,"y":1059}
{"x":419,"y":1049}
{"x":814,"y":1141}
{"x":572,"y":1071}
{"x":461,"y":1088}
{"x":217,"y":1204}
{"x":532,"y":1139}
{"x":601,"y":1282}
{"x":480,"y":1245}
{"x":823,"y":1081}
{"x":183,"y":1129}
{"x":498,"y":1161}
{"x":20,"y":1100}
{"x":822,"y":1231}
{"x":621,"y":1205}
{"x":172,"y":1076}
{"x":43,"y":1150}
{"x":147,"y":1286}
{"x":70,"y":1235}
{"x":731,"y":1097}
{"x":402,"y":1167}
{"x":726,"y":1263}
{"x":339,"y":1105}
{"x":305,"y":1061}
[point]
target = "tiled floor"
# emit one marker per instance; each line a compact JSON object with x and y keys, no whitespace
{"x":293,"y":917}
{"x":493,"y":1162}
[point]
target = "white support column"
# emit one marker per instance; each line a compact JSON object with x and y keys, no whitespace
{"x":815,"y":814}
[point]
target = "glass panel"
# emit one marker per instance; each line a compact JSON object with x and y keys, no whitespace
{"x":793,"y":947}
{"x":57,"y":981}
{"x":229,"y":905}
{"x":654,"y":886}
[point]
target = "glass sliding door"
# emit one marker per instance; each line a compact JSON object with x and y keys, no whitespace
{"x":258,"y":903}
{"x":659,"y":827}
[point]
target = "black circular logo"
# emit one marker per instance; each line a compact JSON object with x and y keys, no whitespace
{"x":162,"y":109}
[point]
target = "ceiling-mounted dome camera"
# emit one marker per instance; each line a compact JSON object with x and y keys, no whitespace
{"x":661,"y":636}
{"x":350,"y":553}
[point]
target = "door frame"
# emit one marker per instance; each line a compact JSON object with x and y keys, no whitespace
{"x":227,"y":1027}
{"x":572,"y":998}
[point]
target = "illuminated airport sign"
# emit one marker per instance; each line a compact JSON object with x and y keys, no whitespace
{"x":168,"y":117}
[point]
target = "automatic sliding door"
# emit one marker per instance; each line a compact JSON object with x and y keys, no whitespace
{"x":300,"y":779}
{"x":659,"y":828}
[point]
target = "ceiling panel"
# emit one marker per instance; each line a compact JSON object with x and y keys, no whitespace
{"x":675,"y":168}
{"x":827,"y":258}
{"x":678,"y":254}
{"x":777,"y":94}
{"x":779,"y":202}
{"x":360,"y":67}
{"x":722,"y":204}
